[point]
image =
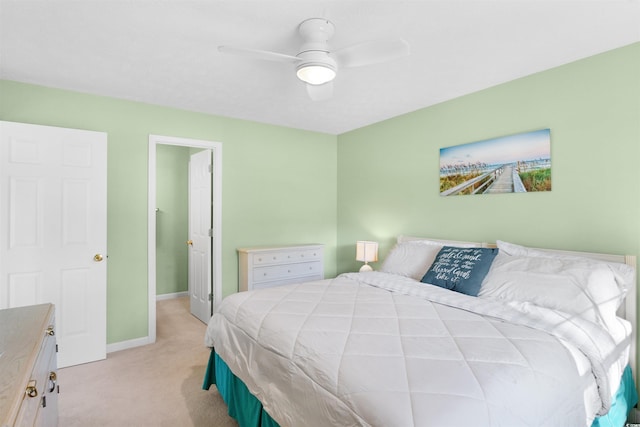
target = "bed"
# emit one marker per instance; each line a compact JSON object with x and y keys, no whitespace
{"x":445,"y":333}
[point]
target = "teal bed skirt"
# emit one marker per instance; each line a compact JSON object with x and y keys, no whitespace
{"x":625,"y":399}
{"x":243,"y":406}
{"x":248,"y":410}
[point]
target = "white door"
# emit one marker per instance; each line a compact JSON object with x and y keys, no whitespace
{"x":200,"y":232}
{"x":53,"y":223}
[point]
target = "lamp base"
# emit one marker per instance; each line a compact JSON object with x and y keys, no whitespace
{"x":365,"y":267}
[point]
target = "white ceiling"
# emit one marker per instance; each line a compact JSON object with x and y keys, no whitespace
{"x":164,"y":52}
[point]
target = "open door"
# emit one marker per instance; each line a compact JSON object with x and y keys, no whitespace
{"x":200,"y":235}
{"x":53,"y":231}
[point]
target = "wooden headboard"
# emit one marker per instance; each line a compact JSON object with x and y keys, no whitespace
{"x":627,"y":311}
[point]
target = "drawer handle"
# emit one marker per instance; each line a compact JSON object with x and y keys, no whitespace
{"x":50,"y":331}
{"x":31,"y":390}
{"x":52,"y":381}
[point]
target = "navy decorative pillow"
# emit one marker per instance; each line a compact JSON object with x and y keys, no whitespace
{"x":460,"y":269}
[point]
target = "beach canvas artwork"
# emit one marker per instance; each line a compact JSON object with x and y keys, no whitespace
{"x":518,"y":163}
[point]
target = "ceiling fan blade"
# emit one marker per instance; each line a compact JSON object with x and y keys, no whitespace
{"x":258,"y":54}
{"x":320,"y":92}
{"x":371,"y":52}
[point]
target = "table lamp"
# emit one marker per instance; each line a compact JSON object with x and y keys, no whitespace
{"x":366,"y":252}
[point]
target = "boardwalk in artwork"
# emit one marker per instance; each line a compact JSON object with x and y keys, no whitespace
{"x":504,"y":182}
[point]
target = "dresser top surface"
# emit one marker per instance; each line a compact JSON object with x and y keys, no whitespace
{"x":280,"y":247}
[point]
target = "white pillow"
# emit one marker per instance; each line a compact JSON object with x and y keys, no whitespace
{"x":578,"y":287}
{"x":413,"y":258}
{"x":623,"y":273}
{"x":410,"y":259}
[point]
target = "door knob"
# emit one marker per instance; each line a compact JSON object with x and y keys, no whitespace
{"x":190,"y":242}
{"x":32,"y":390}
{"x":98,"y":257}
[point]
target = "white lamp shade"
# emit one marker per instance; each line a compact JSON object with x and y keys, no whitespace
{"x":366,"y":251}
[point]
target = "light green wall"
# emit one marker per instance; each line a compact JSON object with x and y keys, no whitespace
{"x":285,"y":186}
{"x":279,"y":184}
{"x":172,"y":228}
{"x":388,"y":172}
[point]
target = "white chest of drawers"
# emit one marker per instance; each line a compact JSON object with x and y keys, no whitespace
{"x":264,"y":267}
{"x":28,"y":374}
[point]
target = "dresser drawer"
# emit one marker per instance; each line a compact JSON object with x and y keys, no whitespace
{"x":289,"y":271}
{"x":40,"y":399}
{"x":48,"y":411}
{"x":286,"y":257}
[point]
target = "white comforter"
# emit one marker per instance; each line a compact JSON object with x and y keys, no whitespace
{"x":382,"y":350}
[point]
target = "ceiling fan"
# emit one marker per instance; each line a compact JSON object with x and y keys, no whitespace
{"x":317,"y":65}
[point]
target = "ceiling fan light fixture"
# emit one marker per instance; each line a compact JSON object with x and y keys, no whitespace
{"x":317,"y":65}
{"x":316,"y":74}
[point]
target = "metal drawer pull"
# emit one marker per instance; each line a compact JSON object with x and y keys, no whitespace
{"x":31,"y":390}
{"x":50,"y":331}
{"x":52,"y":381}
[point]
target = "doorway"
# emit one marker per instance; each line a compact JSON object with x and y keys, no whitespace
{"x":216,"y":214}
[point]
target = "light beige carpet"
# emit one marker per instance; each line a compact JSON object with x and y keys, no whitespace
{"x":154,"y":385}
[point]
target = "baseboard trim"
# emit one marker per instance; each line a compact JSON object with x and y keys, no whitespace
{"x":139,"y":342}
{"x":172,"y":295}
{"x":124,"y":345}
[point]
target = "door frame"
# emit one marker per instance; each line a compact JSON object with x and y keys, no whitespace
{"x":216,"y":148}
